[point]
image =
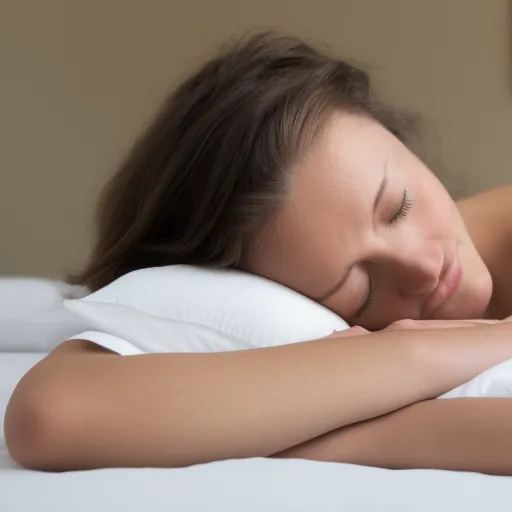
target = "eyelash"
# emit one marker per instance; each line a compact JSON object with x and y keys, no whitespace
{"x":400,"y":214}
{"x":404,"y":207}
{"x":369,"y":299}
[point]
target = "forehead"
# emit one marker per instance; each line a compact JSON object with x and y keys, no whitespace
{"x":316,"y":233}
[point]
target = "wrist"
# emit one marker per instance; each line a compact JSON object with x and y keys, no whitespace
{"x":451,"y":357}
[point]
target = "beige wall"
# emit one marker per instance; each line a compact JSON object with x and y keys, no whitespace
{"x":80,"y":78}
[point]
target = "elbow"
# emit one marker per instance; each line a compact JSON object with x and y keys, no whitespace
{"x":36,"y":427}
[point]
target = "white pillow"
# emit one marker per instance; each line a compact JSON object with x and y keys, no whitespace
{"x":496,"y":382}
{"x":190,"y":309}
{"x":32,"y":317}
{"x":184,"y":308}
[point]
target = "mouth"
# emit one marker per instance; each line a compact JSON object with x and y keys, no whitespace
{"x":449,"y":282}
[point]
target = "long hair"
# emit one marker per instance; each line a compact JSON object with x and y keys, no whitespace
{"x":217,"y":159}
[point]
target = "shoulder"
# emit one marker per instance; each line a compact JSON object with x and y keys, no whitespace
{"x":488,"y":218}
{"x":501,"y":194}
{"x":489,"y":209}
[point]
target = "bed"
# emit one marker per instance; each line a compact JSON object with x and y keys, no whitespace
{"x":243,"y":485}
{"x":237,"y":485}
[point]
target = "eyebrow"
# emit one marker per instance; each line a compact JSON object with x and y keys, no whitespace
{"x":376,"y":201}
{"x":334,"y":288}
{"x":382,"y":188}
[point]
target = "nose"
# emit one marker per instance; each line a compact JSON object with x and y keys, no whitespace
{"x":415,"y":269}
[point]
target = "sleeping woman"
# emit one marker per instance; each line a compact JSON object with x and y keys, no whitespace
{"x":278,"y":160}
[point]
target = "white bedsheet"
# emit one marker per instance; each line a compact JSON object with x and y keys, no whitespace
{"x":246,"y":485}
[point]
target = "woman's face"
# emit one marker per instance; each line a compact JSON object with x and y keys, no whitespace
{"x":371,"y":233}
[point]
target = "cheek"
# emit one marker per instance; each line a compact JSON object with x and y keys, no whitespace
{"x":437,"y":210}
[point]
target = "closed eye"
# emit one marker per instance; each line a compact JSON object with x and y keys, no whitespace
{"x":404,"y":207}
{"x":403,"y":210}
{"x":368,"y":301}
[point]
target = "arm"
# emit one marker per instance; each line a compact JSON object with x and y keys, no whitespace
{"x":84,"y":408}
{"x":465,"y":434}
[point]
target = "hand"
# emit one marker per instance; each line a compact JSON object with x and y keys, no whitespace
{"x":356,"y":330}
{"x":406,"y":324}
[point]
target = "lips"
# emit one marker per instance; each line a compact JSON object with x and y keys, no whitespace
{"x":449,"y":283}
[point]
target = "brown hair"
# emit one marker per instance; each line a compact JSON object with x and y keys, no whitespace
{"x":216,"y":160}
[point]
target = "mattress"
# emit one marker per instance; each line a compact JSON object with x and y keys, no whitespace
{"x":238,"y":485}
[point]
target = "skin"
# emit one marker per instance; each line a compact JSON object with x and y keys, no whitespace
{"x":488,"y":217}
{"x":83,"y":407}
{"x":336,"y":399}
{"x":332,"y":228}
{"x":329,"y":230}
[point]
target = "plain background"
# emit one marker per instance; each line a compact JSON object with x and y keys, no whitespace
{"x":79,"y":80}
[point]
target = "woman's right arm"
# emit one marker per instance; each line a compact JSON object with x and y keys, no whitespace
{"x":83,"y":407}
{"x":460,"y":434}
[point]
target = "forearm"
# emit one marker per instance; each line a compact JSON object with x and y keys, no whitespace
{"x":466,"y":434}
{"x":180,"y":409}
{"x":79,"y":410}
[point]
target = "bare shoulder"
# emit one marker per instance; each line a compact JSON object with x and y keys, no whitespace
{"x":495,"y":202}
{"x":488,"y":216}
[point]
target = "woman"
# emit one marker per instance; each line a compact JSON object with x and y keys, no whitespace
{"x":277,"y":159}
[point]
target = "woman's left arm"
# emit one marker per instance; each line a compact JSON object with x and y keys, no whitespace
{"x":463,"y":434}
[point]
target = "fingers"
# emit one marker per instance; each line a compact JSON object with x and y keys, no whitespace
{"x":405,"y":324}
{"x":437,"y":324}
{"x":353,"y":331}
